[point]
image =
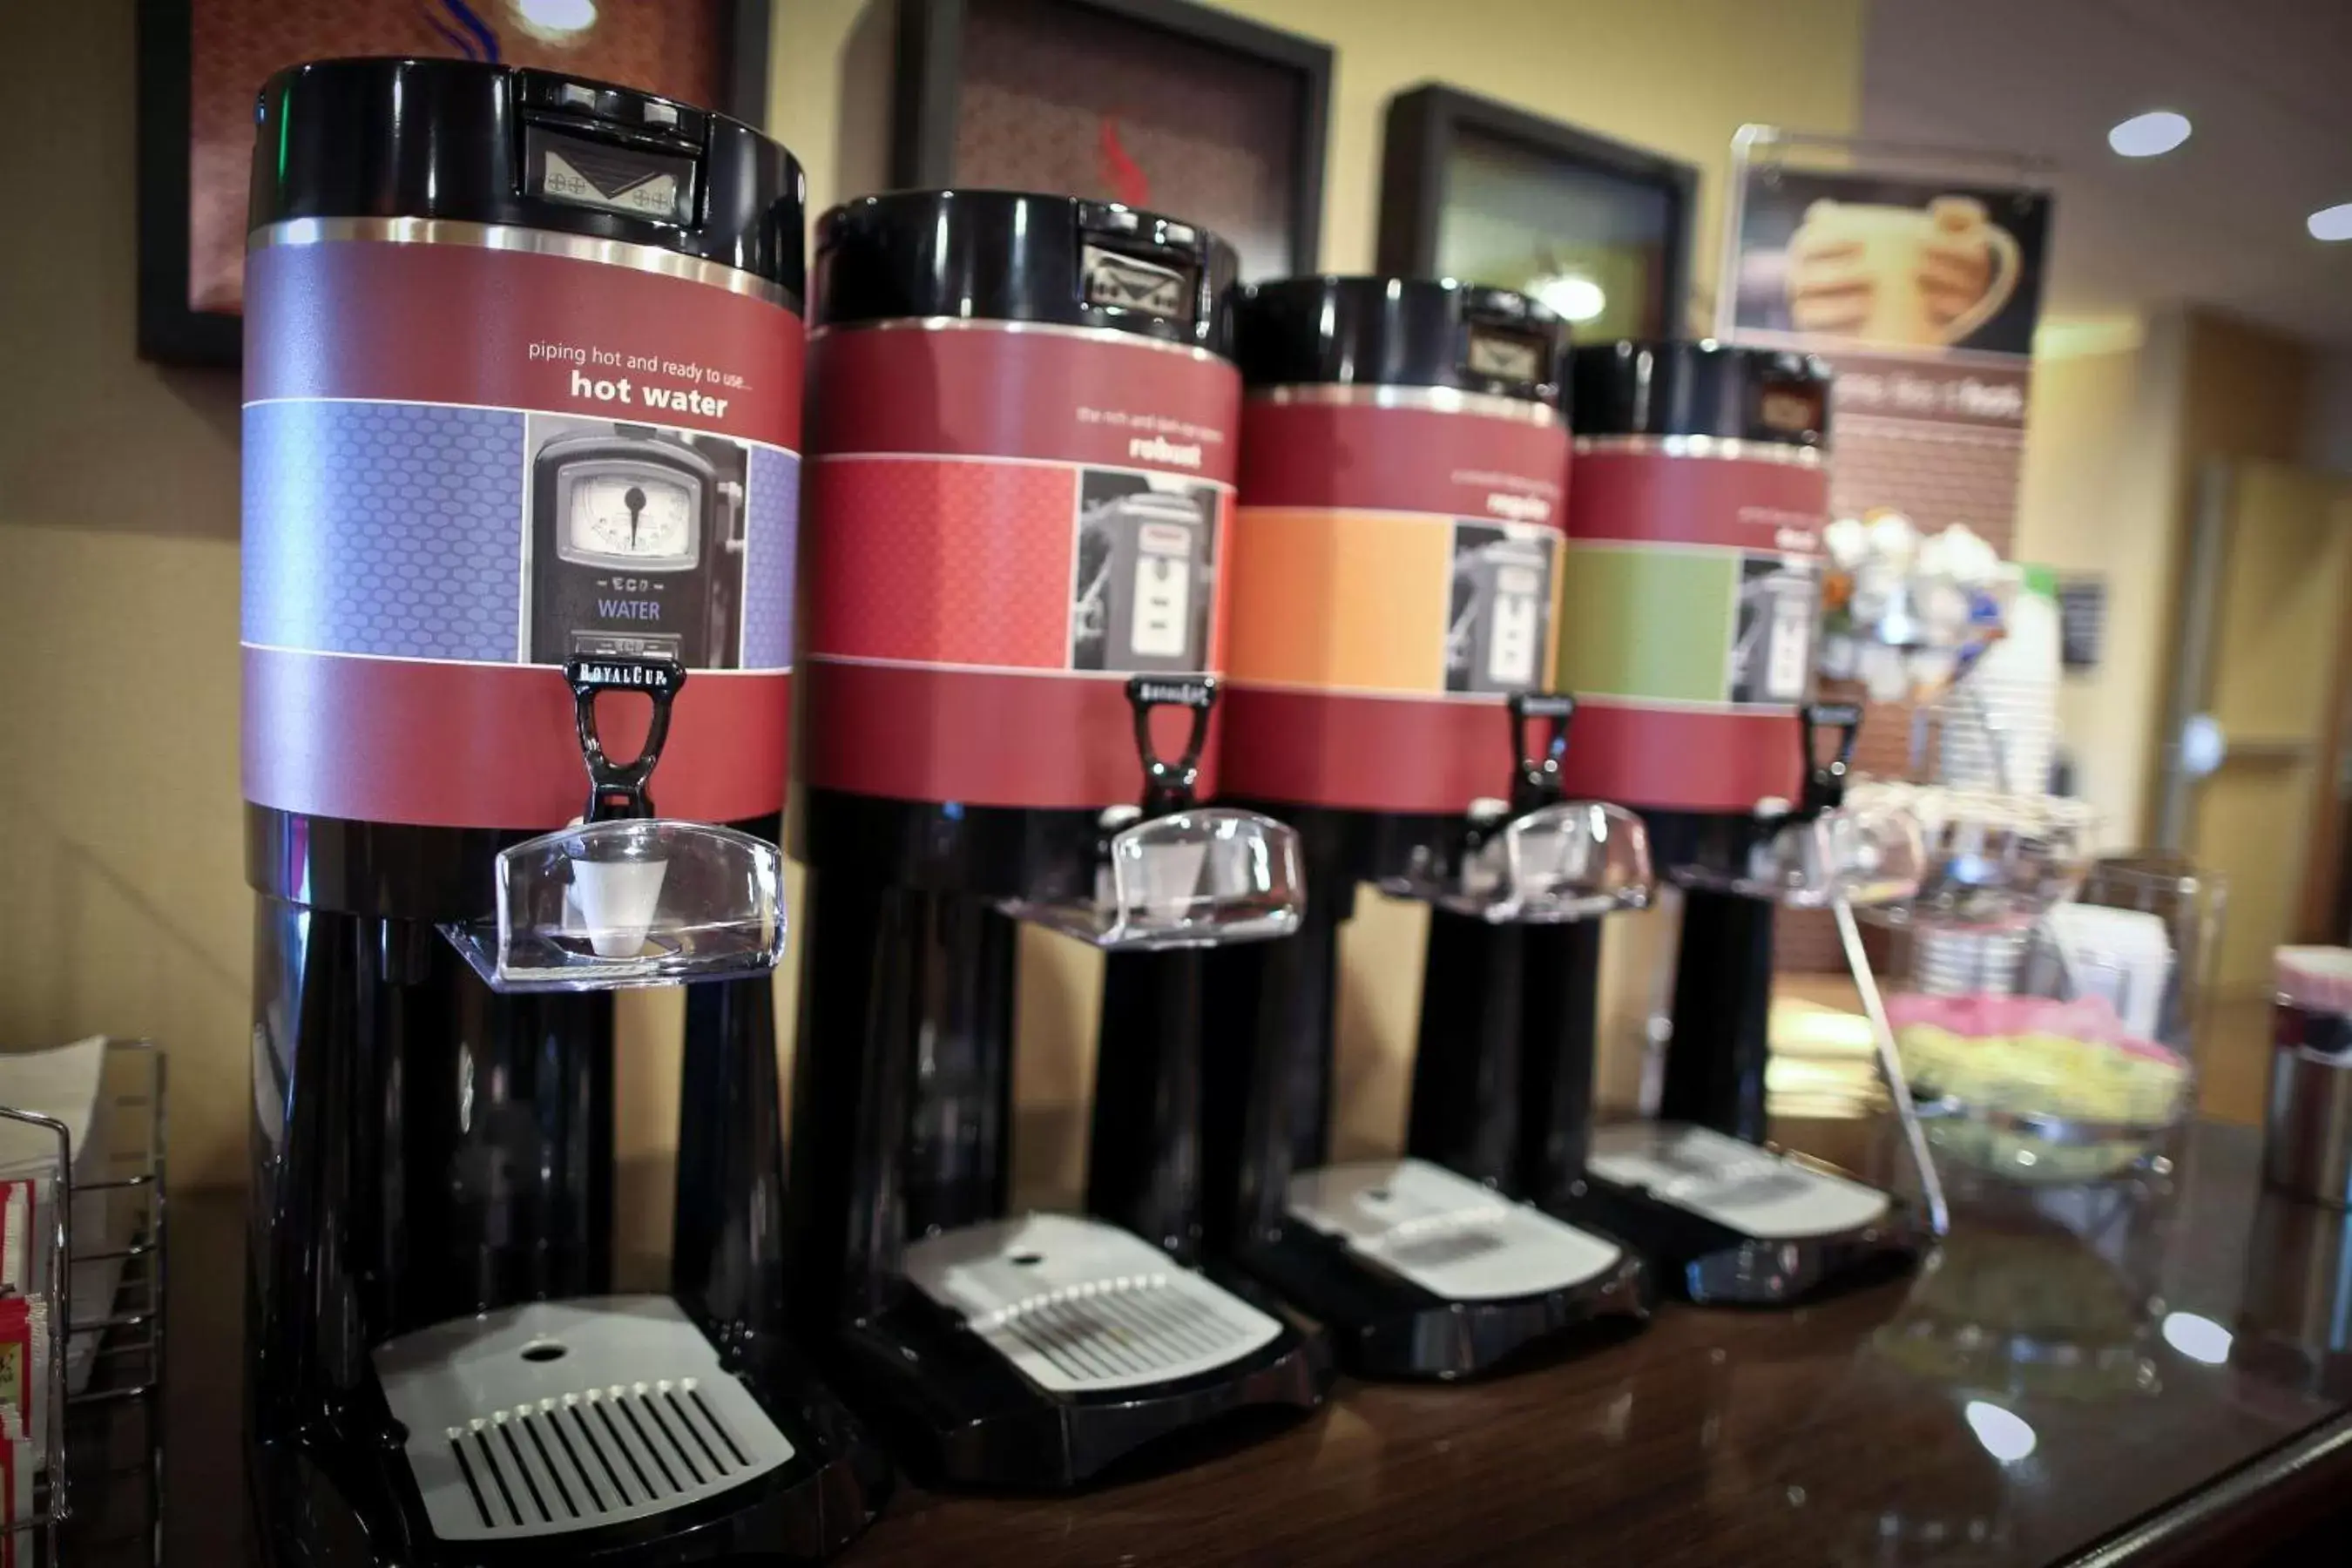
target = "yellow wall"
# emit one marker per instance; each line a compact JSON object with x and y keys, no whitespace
{"x":122,"y":905}
{"x":125,"y":907}
{"x":2102,"y":452}
{"x":2119,"y":430}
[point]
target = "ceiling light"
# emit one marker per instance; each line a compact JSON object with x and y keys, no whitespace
{"x":2145,"y":135}
{"x":2331,"y":222}
{"x":557,"y":16}
{"x":1571,"y":296}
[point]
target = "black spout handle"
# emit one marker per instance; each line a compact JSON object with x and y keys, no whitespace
{"x":617,"y":791}
{"x":1539,"y":722}
{"x":1825,"y":776}
{"x":1168,"y":784}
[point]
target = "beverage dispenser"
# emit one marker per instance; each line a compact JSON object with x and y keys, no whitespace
{"x":1396,"y":569}
{"x":1693,"y":555}
{"x":1023,"y":453}
{"x":523,"y":381}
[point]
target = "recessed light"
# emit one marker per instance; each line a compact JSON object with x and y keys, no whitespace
{"x":2331,"y":222}
{"x":1573,"y":296}
{"x":2145,"y":135}
{"x":557,"y":17}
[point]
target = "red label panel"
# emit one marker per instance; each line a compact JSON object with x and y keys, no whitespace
{"x":1668,"y":759}
{"x":989,"y":501}
{"x":1655,"y":498}
{"x":996,"y":389}
{"x":385,"y":739}
{"x":942,"y":563}
{"x":1366,"y":754}
{"x":512,"y":329}
{"x":1040,"y":743}
{"x":1403,"y":459}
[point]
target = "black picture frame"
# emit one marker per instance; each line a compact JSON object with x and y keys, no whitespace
{"x":1424,"y":123}
{"x":169,"y":331}
{"x":929,"y":80}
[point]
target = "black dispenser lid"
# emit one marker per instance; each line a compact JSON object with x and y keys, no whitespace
{"x":463,"y":140}
{"x":1702,"y":388}
{"x":1399,"y":332}
{"x":1010,"y":255}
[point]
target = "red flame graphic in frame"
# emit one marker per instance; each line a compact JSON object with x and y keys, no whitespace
{"x":1127,"y":182}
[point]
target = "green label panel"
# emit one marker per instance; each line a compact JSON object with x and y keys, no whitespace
{"x":1638,"y":621}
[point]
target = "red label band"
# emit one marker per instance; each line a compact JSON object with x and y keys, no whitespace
{"x":1664,"y":759}
{"x":1001,"y":390}
{"x":1001,"y":524}
{"x":511,"y":328}
{"x":460,"y":478}
{"x":1365,"y":753}
{"x":1359,"y":456}
{"x":382,"y":740}
{"x":1036,"y":743}
{"x":1657,"y":498}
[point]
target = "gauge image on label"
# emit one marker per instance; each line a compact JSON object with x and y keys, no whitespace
{"x":1146,"y":573}
{"x":1772,"y":652}
{"x":1498,"y":636}
{"x":636,"y":542}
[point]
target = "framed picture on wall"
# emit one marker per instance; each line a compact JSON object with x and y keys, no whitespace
{"x":1597,"y":230}
{"x":201,"y":63}
{"x":1177,"y":108}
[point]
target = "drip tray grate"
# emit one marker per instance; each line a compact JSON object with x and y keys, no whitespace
{"x":1450,"y":1236}
{"x":1082,"y":1307}
{"x":506,"y":1442}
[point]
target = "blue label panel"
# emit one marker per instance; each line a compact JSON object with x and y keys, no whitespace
{"x":390,"y":529}
{"x":771,"y":513}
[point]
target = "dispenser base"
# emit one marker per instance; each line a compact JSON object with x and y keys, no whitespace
{"x":1033,"y":1353}
{"x":1725,"y":1221}
{"x":1419,"y":1272}
{"x":603,"y":1454}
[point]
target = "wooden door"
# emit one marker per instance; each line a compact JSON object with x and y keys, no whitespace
{"x":2275,"y":564}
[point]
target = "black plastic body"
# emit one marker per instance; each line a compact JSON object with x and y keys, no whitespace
{"x":1721,"y":1044}
{"x":1273,"y":1010}
{"x":1714,"y":1264}
{"x":451,"y":139}
{"x":1714,"y":1078}
{"x":1399,"y":332}
{"x":902,"y":1114}
{"x":1682,"y":387}
{"x":902,"y":1126}
{"x":1014,"y":255}
{"x":423,"y":1148}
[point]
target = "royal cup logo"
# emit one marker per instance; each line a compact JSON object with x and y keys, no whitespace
{"x":1126,"y":284}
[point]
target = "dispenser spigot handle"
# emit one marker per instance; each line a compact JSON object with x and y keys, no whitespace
{"x":1168,"y":784}
{"x":1825,"y":778}
{"x":617,"y":791}
{"x":1536,"y":767}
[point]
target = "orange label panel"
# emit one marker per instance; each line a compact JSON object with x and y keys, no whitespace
{"x":1410,"y":604}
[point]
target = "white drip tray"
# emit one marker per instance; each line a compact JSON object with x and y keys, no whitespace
{"x":564,"y":1416}
{"x":1736,"y":1184}
{"x":1446,"y":1233}
{"x":1081,"y":1306}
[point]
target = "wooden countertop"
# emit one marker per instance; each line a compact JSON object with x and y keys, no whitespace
{"x":2037,"y":1395}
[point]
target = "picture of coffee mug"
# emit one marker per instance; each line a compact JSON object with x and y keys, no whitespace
{"x":1922,"y":277}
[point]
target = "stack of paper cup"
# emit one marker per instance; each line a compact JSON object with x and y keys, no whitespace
{"x":1999,"y":734}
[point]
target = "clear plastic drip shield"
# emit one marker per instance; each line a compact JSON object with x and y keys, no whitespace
{"x":1857,"y":855}
{"x":639,"y":901}
{"x":1198,"y":878}
{"x":1574,"y":860}
{"x":1991,"y":861}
